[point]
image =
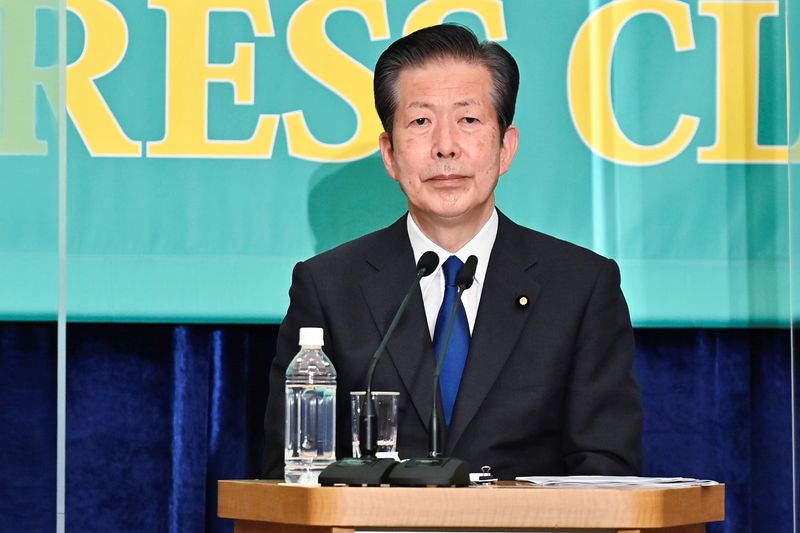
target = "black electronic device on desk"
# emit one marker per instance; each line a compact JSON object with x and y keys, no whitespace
{"x":357,"y":472}
{"x":430,"y":472}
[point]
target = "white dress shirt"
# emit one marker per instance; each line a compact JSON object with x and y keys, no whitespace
{"x":432,"y":286}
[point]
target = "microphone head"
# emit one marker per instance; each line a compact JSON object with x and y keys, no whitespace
{"x":427,"y":263}
{"x":467,"y":274}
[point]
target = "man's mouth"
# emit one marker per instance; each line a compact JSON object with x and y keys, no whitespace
{"x":444,"y":178}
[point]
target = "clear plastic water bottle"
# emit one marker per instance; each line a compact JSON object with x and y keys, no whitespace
{"x":310,"y":411}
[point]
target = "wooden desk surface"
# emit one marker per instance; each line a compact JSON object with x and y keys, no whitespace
{"x":505,"y":505}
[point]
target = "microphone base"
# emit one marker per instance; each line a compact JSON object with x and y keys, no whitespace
{"x":357,"y":472}
{"x":430,"y":472}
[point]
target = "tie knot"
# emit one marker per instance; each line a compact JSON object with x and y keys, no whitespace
{"x":451,"y":268}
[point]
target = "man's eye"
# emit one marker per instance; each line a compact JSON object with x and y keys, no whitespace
{"x":470,"y":120}
{"x":420,"y":121}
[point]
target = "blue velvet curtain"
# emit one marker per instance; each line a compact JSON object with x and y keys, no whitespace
{"x":157,"y":413}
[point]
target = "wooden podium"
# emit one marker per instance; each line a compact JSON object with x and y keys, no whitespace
{"x":269,"y":506}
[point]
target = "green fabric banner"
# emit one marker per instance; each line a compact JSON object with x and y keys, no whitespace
{"x":213,"y":144}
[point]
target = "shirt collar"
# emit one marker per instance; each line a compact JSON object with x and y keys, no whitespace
{"x":480,"y":245}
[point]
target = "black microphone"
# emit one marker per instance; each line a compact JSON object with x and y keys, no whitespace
{"x":368,"y":429}
{"x":368,"y":470}
{"x":435,"y":435}
{"x":436,"y":470}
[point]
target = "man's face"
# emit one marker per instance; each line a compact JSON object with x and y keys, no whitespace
{"x":445,"y":150}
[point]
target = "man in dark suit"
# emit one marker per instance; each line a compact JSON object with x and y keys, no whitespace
{"x":544,"y":384}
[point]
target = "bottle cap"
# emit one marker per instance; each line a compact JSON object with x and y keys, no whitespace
{"x":311,"y":337}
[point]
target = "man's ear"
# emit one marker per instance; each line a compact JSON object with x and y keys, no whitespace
{"x":509,"y":148}
{"x":387,"y":154}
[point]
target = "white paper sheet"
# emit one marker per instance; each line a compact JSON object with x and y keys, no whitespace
{"x":615,"y":481}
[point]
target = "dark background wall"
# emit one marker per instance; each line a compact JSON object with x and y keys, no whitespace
{"x":157,"y":413}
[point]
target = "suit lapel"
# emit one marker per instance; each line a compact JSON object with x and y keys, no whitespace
{"x":499,"y":323}
{"x":410,"y":348}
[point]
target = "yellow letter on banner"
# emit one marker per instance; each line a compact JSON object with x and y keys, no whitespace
{"x":188,"y":75}
{"x":432,"y":12}
{"x":737,"y":84}
{"x":316,"y":54}
{"x":20,"y":76}
{"x":589,"y":81}
{"x":105,"y":44}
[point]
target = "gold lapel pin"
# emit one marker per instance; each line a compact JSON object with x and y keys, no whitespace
{"x":523,"y":302}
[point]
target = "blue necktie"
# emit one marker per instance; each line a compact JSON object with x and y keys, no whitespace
{"x":458,"y":347}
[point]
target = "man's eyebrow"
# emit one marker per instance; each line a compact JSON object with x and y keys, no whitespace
{"x":466,"y":103}
{"x":425,"y":105}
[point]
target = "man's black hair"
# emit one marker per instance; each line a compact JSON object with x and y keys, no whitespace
{"x":446,"y":42}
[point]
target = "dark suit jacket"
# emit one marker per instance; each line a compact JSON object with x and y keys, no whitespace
{"x":548,"y":388}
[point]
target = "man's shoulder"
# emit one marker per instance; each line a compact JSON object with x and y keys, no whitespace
{"x":545,"y":247}
{"x":359,"y":251}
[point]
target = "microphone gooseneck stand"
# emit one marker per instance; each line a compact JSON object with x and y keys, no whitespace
{"x":368,"y":469}
{"x":436,"y":470}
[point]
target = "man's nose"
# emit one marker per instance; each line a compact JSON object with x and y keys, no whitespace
{"x":445,"y":142}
